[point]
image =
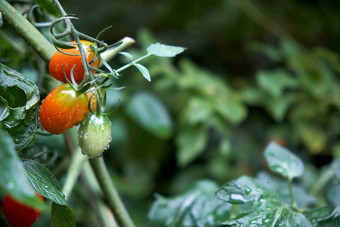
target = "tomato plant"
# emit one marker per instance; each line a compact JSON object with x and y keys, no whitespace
{"x":19,"y":214}
{"x":62,"y":109}
{"x":67,"y":60}
{"x":195,"y":134}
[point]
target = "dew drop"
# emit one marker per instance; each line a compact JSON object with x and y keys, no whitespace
{"x":237,"y":199}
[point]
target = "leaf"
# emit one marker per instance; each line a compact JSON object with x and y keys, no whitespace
{"x":43,"y":182}
{"x":197,"y":111}
{"x":332,"y":193}
{"x":283,"y":162}
{"x":62,"y":216}
{"x":278,"y":106}
{"x":148,"y":111}
{"x":19,"y":99}
{"x":126,"y":54}
{"x":232,"y":110}
{"x":275,"y":82}
{"x":303,"y":199}
{"x":162,"y":50}
{"x":262,"y":207}
{"x":196,"y":207}
{"x":190,"y":143}
{"x":12,"y":174}
{"x":144,"y":71}
{"x":324,"y":217}
{"x":313,"y":137}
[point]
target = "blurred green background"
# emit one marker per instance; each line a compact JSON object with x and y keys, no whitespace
{"x":253,"y":72}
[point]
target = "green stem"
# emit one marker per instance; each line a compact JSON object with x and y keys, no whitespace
{"x":26,"y":30}
{"x":77,"y":163}
{"x":110,"y":192}
{"x":110,"y":53}
{"x":290,"y":187}
{"x":104,"y":212}
{"x":132,"y":63}
{"x":322,"y":180}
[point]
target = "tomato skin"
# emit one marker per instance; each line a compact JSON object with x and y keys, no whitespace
{"x":62,"y":109}
{"x":94,"y":134}
{"x":18,"y":214}
{"x":60,"y":60}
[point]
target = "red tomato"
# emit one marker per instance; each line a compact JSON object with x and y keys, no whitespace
{"x":62,"y":109}
{"x":19,"y":214}
{"x":60,"y":60}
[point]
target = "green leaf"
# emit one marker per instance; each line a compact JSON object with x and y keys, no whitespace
{"x":126,"y":54}
{"x":321,"y":217}
{"x":303,"y":199}
{"x":314,"y":138}
{"x":144,"y":71}
{"x":43,"y":182}
{"x":62,"y":216}
{"x":12,"y":175}
{"x":232,"y":110}
{"x":332,"y":193}
{"x":190,"y":143}
{"x":283,"y":162}
{"x":196,"y":207}
{"x":275,"y":82}
{"x":148,"y":111}
{"x":19,"y":99}
{"x":162,"y":50}
{"x":197,"y":110}
{"x":278,"y":106}
{"x":262,"y":207}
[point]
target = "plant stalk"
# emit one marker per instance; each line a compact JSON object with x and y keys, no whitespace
{"x":76,"y":165}
{"x":290,"y":187}
{"x":27,"y":31}
{"x":131,"y":63}
{"x":111,"y":193}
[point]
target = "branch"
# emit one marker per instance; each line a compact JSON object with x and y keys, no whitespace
{"x":27,"y":31}
{"x":110,"y":192}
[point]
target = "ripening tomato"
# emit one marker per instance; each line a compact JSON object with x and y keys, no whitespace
{"x":94,"y":134}
{"x":19,"y":214}
{"x":62,"y":109}
{"x":60,"y":60}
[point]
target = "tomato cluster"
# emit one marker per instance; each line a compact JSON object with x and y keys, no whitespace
{"x":19,"y":214}
{"x":66,"y":106}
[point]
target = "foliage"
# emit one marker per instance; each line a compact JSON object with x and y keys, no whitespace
{"x":253,"y":72}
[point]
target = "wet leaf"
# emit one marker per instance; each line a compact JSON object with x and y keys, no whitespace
{"x":262,"y":207}
{"x":325,"y":217}
{"x":12,"y":175}
{"x":19,"y":99}
{"x":303,"y":199}
{"x":196,"y":207}
{"x":282,"y":161}
{"x":43,"y":182}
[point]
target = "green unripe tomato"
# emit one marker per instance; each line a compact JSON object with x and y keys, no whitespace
{"x":94,"y":134}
